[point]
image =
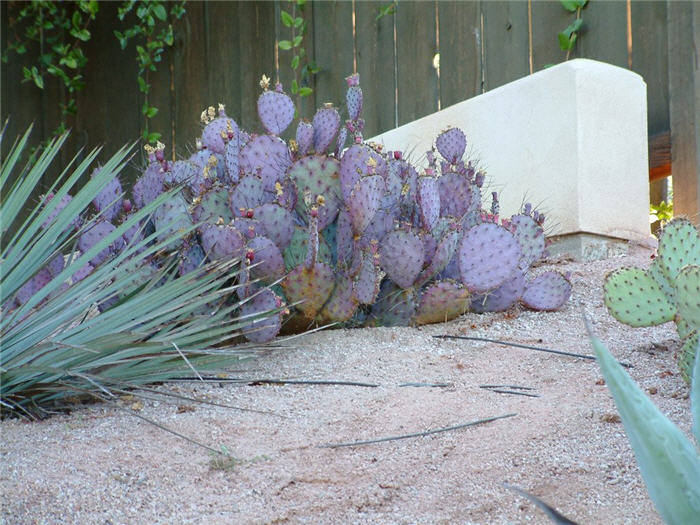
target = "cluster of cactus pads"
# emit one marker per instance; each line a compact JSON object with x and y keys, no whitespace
{"x":340,"y":232}
{"x":669,"y":290}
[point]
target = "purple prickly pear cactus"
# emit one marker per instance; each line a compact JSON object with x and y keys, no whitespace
{"x":248,"y":194}
{"x":548,"y":291}
{"x":488,"y":255}
{"x":211,"y":205}
{"x":342,"y":303}
{"x":501,"y":298}
{"x":442,"y":301}
{"x":458,"y":196}
{"x":358,"y":160}
{"x":277,"y":222}
{"x":192,"y":257}
{"x":326,"y":123}
{"x":109,"y":201}
{"x":402,"y":256}
{"x":33,"y":285}
{"x":364,"y":201}
{"x":262,"y":327}
{"x":276,"y":110}
{"x":394,"y":306}
{"x":73,"y":225}
{"x":221,"y":242}
{"x":530,"y":237}
{"x":366,"y":286}
{"x":98,"y":231}
{"x":268,"y":262}
{"x":340,"y":145}
{"x":428,"y":201}
{"x":353,"y":97}
{"x":443,"y":254}
{"x":344,"y":238}
{"x":304,"y":137}
{"x":149,"y":186}
{"x":217,"y":131}
{"x":317,"y":181}
{"x":267,"y":157}
{"x":451,"y":144}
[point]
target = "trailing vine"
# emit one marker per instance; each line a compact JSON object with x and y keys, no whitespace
{"x":297,"y":25}
{"x":567,"y":37}
{"x":60,"y":30}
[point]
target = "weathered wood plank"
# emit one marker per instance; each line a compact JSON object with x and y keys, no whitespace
{"x":460,"y":51}
{"x":190,"y":66}
{"x":223,"y":58}
{"x":418,"y":91}
{"x":333,"y":50}
{"x":505,"y":42}
{"x":256,"y":22}
{"x":375,"y":64}
{"x":650,"y":59}
{"x":109,"y":112}
{"x":684,"y":91}
{"x":604,"y":33}
{"x":548,"y":19}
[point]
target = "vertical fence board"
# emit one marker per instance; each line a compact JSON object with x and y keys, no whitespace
{"x":21,"y":101}
{"x":108,"y":107}
{"x":548,"y":19}
{"x":223,"y":58}
{"x":505,"y":42}
{"x":460,"y":51}
{"x":256,"y":22}
{"x":191,"y":79}
{"x":604,"y":34}
{"x":418,"y":92}
{"x":333,"y":50}
{"x":650,"y":59}
{"x":375,"y":64}
{"x":684,"y":89}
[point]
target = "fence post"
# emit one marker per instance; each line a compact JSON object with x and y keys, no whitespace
{"x":684,"y":90}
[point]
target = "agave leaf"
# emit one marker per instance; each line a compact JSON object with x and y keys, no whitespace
{"x":695,"y":395}
{"x":669,"y":462}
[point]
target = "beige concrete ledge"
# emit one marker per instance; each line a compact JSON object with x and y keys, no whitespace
{"x":571,"y":139}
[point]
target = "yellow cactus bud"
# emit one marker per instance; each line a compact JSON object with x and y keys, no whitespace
{"x":264,"y":82}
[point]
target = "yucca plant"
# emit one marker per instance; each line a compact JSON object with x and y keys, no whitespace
{"x":55,"y":345}
{"x":668,"y":460}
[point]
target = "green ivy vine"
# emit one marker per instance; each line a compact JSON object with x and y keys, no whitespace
{"x":60,"y":30}
{"x":297,"y":26}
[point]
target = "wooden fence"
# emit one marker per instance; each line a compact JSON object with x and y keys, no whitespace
{"x":222,"y":49}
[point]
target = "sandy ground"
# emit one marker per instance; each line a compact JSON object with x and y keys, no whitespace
{"x":102,"y":465}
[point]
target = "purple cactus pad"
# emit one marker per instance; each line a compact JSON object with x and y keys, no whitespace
{"x":488,"y":254}
{"x":326,"y":123}
{"x":548,"y":291}
{"x":268,"y":157}
{"x":402,"y":256}
{"x":451,"y":144}
{"x":276,"y":111}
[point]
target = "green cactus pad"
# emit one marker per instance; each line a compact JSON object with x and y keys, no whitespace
{"x":295,"y":252}
{"x":442,"y":301}
{"x":679,"y":245}
{"x":657,"y":273}
{"x":317,"y":176}
{"x":688,"y":295}
{"x":633,"y":297}
{"x":342,"y":304}
{"x":686,"y":355}
{"x":394,"y":307}
{"x":312,"y":286}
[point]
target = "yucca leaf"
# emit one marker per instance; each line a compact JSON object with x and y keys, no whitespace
{"x":56,"y":345}
{"x":669,"y":462}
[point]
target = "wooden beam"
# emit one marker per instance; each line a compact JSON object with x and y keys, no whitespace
{"x":684,"y":90}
